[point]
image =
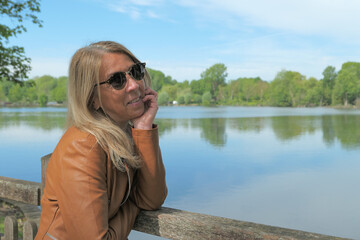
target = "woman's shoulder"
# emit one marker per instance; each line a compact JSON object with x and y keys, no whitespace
{"x":77,"y":143}
{"x":77,"y":139}
{"x":76,"y":134}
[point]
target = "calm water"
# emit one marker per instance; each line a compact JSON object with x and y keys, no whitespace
{"x":295,"y":168}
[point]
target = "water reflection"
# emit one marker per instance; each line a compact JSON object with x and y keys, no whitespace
{"x":291,"y":171}
{"x":37,"y":120}
{"x":344,"y":128}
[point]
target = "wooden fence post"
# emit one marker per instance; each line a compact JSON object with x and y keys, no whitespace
{"x":10,"y":228}
{"x":29,"y":230}
{"x":44,"y":162}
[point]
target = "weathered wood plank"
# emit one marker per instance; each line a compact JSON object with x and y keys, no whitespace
{"x":176,"y":224}
{"x":44,"y":163}
{"x":10,"y":228}
{"x":29,"y":231}
{"x":20,"y":190}
{"x":30,"y":212}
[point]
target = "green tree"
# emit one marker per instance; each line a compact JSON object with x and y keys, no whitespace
{"x":16,"y":93}
{"x":313,"y":92}
{"x":206,"y":99}
{"x":31,"y":95}
{"x":180,"y":99}
{"x":248,"y":88}
{"x":2,"y":94}
{"x":59,"y":93}
{"x":199,"y":86}
{"x":163,"y":98}
{"x":261,"y":90}
{"x":215,"y":76}
{"x":14,"y":65}
{"x":157,"y":79}
{"x":347,"y":84}
{"x":233,"y":92}
{"x":6,"y":86}
{"x":187,"y":98}
{"x":197,"y":98}
{"x":287,"y":89}
{"x":45,"y":85}
{"x":171,"y":91}
{"x":43,"y":100}
{"x":327,"y":85}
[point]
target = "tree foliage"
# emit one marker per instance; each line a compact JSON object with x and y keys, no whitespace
{"x":288,"y":89}
{"x":14,"y":65}
{"x":347,"y":84}
{"x":214,"y":77}
{"x":30,"y":91}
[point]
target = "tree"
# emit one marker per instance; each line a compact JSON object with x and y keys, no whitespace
{"x":347,"y":84}
{"x":43,"y":100}
{"x":15,"y":93}
{"x":2,"y":94}
{"x":287,"y":89}
{"x":163,"y":98}
{"x":313,"y":92}
{"x":215,"y":76}
{"x":171,"y":91}
{"x":59,"y":93}
{"x":180,"y":99}
{"x":327,"y":84}
{"x":199,"y":86}
{"x":14,"y":65}
{"x":206,"y":99}
{"x":187,"y":98}
{"x":157,"y":79}
{"x":45,"y":84}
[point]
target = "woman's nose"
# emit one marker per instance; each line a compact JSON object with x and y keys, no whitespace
{"x":131,"y":83}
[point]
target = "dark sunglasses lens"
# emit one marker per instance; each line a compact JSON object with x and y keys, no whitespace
{"x":118,"y":80}
{"x":137,"y":71}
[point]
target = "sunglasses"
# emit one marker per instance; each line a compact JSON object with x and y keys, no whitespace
{"x":118,"y":79}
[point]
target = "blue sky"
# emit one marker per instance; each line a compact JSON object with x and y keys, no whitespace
{"x":184,"y":37}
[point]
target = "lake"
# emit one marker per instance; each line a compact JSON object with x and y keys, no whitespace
{"x":290,"y":167}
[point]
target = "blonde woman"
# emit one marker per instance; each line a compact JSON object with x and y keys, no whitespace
{"x":107,"y":166}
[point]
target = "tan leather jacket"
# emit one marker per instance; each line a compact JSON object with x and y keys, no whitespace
{"x":86,"y":196}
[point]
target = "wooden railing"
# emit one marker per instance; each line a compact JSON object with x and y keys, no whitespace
{"x":166,"y":222}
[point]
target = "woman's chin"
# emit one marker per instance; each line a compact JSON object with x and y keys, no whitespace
{"x":139,"y":112}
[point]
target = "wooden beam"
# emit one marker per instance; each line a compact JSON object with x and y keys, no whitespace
{"x":20,"y":190}
{"x":177,"y":224}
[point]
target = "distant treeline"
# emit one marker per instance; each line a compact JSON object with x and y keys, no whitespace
{"x":287,"y":89}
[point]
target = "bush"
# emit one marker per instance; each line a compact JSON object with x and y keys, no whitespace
{"x":187,"y":98}
{"x":197,"y":98}
{"x":163,"y":98}
{"x":206,"y":99}
{"x":180,"y":99}
{"x":43,"y":100}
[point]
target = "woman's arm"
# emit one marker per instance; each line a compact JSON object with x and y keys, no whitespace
{"x":82,"y":194}
{"x":150,"y":189}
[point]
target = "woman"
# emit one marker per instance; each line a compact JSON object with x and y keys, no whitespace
{"x":108,"y":165}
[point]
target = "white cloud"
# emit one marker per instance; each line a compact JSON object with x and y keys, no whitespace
{"x":152,"y":14}
{"x":336,"y":18}
{"x":146,"y":2}
{"x":134,"y":7}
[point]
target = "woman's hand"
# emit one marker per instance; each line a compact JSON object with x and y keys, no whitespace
{"x":145,"y":121}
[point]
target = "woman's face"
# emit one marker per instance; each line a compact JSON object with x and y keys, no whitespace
{"x":124,"y":104}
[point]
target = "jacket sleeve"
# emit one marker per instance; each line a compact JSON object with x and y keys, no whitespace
{"x":149,"y":189}
{"x":82,"y":195}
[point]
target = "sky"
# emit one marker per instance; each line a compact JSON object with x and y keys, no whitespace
{"x":182,"y":38}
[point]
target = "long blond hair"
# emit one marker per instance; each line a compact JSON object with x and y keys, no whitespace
{"x":83,"y":75}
